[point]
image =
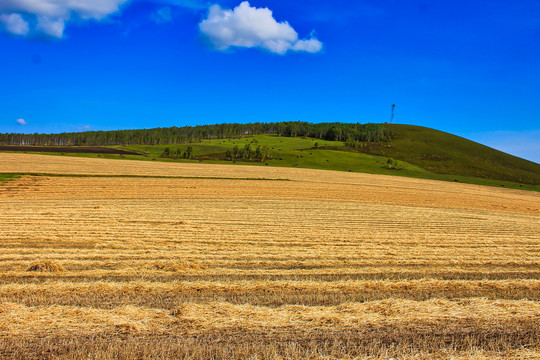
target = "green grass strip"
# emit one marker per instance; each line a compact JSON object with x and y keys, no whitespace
{"x":8,"y":177}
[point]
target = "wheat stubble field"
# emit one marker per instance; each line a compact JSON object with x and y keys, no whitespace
{"x":194,"y":261}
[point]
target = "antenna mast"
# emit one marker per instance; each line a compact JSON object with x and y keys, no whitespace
{"x":392,"y":119}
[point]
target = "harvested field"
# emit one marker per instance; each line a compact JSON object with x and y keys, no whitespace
{"x":327,"y":265}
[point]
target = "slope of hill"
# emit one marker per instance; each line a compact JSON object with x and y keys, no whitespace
{"x":444,"y":153}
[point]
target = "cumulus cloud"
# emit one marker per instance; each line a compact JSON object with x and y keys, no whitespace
{"x":50,"y":16}
{"x":51,"y":26}
{"x":249,"y":27}
{"x":21,"y":121}
{"x":15,"y":24}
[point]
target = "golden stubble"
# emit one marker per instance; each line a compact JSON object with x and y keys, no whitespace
{"x":321,"y":253}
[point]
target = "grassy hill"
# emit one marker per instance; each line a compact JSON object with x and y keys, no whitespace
{"x":414,"y":152}
{"x":444,"y":153}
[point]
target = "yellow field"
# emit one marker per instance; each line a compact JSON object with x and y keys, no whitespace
{"x":304,"y":264}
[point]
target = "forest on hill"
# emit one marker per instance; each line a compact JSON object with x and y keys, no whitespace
{"x":351,"y":133}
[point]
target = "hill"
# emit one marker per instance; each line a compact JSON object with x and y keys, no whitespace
{"x":388,"y":149}
{"x":444,"y":153}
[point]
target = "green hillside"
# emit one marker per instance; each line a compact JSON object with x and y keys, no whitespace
{"x":444,"y":153}
{"x":411,"y":151}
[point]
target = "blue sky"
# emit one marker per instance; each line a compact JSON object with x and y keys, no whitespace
{"x":469,"y":68}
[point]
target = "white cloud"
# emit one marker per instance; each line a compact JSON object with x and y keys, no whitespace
{"x":311,"y":45}
{"x":51,"y":26}
{"x":15,"y":24}
{"x":247,"y":26}
{"x":51,"y":15}
{"x":21,"y":121}
{"x":244,"y":26}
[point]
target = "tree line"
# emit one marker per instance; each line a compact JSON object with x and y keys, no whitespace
{"x":250,"y":152}
{"x":347,"y":132}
